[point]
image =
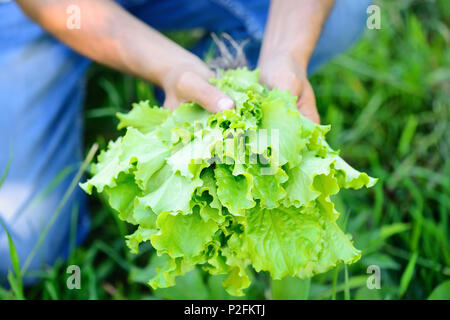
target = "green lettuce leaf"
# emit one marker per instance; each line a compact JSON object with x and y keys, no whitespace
{"x":175,"y":229}
{"x":143,"y":117}
{"x":289,"y":242}
{"x":299,"y":187}
{"x":234,"y":192}
{"x":107,"y":168}
{"x":169,"y":192}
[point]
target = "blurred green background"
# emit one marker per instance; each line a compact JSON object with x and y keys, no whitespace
{"x":387,"y":100}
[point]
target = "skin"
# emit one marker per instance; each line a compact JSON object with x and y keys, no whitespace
{"x":292,"y":30}
{"x":113,"y":37}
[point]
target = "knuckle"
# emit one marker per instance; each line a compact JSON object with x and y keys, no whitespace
{"x":184,"y":81}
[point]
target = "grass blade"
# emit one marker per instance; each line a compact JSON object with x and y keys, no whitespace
{"x":353,"y":283}
{"x":61,"y":204}
{"x":8,"y":166}
{"x":346,"y":284}
{"x":407,"y":275}
{"x":15,"y":280}
{"x":4,"y":294}
{"x":334,"y":286}
{"x":290,"y":288}
{"x":16,"y":286}
{"x":73,"y":231}
{"x":50,"y":289}
{"x":441,"y":292}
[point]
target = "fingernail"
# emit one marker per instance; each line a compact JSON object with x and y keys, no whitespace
{"x":225,"y":104}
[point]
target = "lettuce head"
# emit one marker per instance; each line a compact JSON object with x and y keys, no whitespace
{"x":244,"y":188}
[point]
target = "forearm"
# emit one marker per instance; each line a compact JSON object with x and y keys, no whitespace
{"x":111,"y":36}
{"x":293,"y":28}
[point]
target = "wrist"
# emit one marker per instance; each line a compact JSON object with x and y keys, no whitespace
{"x":300,"y":58}
{"x":285,"y":52}
{"x":298,"y":64}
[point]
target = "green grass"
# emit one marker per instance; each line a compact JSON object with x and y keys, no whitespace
{"x":388,"y":102}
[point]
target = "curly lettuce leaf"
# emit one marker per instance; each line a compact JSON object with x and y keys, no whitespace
{"x":175,"y":229}
{"x":287,"y":242}
{"x":107,"y":168}
{"x":143,"y":117}
{"x":234,"y":192}
{"x":169,"y":192}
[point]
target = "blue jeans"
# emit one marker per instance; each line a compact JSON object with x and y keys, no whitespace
{"x":41,"y":96}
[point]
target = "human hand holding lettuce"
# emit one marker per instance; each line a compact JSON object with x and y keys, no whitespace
{"x":292,"y":31}
{"x":247,"y":187}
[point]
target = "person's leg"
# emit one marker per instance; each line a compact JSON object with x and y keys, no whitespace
{"x":41,"y":91}
{"x":343,"y":28}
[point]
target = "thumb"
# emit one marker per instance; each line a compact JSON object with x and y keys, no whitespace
{"x":171,"y":102}
{"x":307,"y":103}
{"x":192,"y":87}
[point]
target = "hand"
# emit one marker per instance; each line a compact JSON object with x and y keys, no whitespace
{"x":188,"y":81}
{"x":283,"y":72}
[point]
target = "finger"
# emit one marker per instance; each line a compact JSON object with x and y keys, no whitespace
{"x":307,"y":103}
{"x":191,"y":87}
{"x":171,"y":102}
